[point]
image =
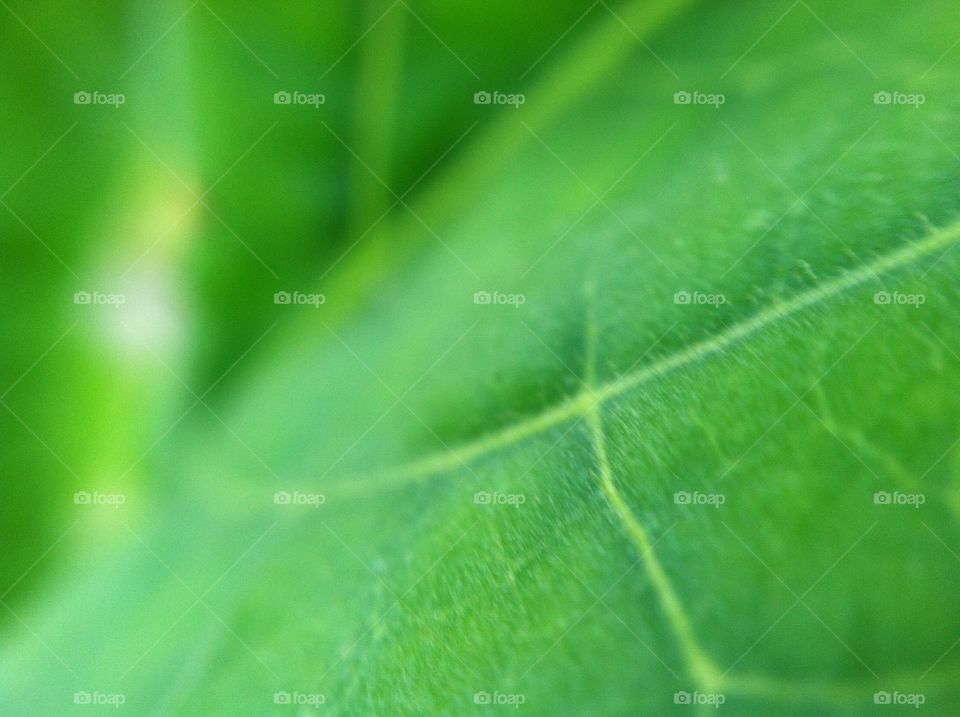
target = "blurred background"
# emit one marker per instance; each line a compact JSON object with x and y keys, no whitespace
{"x":196,"y":196}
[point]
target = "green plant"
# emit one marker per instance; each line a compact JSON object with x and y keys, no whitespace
{"x":647,"y":400}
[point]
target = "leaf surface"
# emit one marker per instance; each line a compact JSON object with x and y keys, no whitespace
{"x":605,"y":498}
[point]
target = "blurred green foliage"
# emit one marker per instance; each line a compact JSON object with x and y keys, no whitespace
{"x":114,"y":192}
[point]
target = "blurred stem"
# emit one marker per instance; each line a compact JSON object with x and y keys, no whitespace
{"x":377,"y":92}
{"x":592,"y":57}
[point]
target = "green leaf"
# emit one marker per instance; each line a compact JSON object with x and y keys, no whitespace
{"x":705,"y":452}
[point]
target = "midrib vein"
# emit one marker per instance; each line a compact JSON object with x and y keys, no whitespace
{"x":588,"y":400}
{"x":774,"y":313}
{"x":700,"y":666}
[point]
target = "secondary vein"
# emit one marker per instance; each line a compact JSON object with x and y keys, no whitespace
{"x":699,"y":664}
